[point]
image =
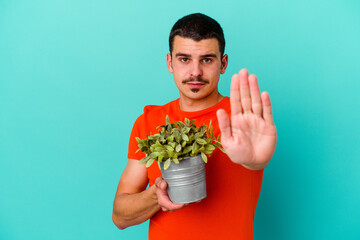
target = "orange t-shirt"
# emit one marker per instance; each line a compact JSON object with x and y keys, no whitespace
{"x":228,"y":211}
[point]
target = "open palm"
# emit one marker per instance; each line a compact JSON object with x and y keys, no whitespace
{"x":249,"y":137}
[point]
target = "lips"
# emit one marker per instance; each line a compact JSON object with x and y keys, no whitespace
{"x":195,"y":84}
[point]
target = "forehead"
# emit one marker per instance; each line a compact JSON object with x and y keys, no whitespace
{"x":191,"y":47}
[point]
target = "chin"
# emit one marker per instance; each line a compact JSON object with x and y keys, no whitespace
{"x":197,"y":95}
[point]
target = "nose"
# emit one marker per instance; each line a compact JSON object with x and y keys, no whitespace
{"x":196,"y":70}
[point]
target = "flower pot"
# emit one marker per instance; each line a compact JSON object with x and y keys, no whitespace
{"x":186,"y":181}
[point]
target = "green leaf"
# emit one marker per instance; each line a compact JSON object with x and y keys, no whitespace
{"x":209,"y":125}
{"x":138,"y":139}
{"x":204,"y":157}
{"x":175,"y":160}
{"x":223,"y":150}
{"x":170,"y":139}
{"x":137,"y":150}
{"x":162,"y":139}
{"x":167,"y":119}
{"x":195,"y":149}
{"x":148,"y":164}
{"x":187,"y":121}
{"x":203,"y":129}
{"x":169,"y":148}
{"x":159,"y":149}
{"x":210,"y":147}
{"x":152,"y":137}
{"x":191,"y":138}
{"x":154,"y":154}
{"x":199,"y":135}
{"x":183,"y":144}
{"x":208,"y":152}
{"x":179,"y":124}
{"x":178,"y":148}
{"x":201,"y":141}
{"x":177,"y":137}
{"x":171,"y":154}
{"x":192,"y":121}
{"x":187,"y":149}
{"x":185,"y":137}
{"x":144,"y":160}
{"x":217,"y":144}
{"x":160,"y":157}
{"x":174,"y":130}
{"x":157,"y":144}
{"x":167,"y":163}
{"x":172,"y":144}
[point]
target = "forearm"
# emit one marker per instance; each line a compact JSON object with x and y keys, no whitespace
{"x":132,"y":209}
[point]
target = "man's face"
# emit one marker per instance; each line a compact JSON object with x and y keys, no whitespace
{"x":196,"y":67}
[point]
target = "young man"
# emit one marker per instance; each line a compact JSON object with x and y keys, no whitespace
{"x":248,"y":135}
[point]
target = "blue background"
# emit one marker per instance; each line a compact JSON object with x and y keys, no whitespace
{"x":74,"y":75}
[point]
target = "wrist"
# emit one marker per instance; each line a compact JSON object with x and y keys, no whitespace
{"x":255,"y":167}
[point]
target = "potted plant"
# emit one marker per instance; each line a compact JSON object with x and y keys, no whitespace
{"x":181,"y":150}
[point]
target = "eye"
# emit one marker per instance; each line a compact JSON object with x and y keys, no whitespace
{"x":184,"y":59}
{"x":207,"y":60}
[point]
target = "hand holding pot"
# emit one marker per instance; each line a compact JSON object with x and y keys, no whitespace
{"x":163,"y":197}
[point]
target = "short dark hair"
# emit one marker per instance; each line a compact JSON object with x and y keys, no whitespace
{"x":197,"y":26}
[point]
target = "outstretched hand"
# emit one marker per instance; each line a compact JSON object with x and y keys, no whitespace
{"x":249,"y":137}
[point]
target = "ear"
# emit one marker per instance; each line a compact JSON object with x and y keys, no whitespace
{"x":168,"y":63}
{"x":224,"y":63}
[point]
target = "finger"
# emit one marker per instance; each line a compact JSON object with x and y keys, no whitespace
{"x":267,"y":109}
{"x":157,"y":180}
{"x":224,"y":124}
{"x":162,"y":184}
{"x":163,"y":197}
{"x":244,"y":90}
{"x":235,"y":102}
{"x":255,"y":95}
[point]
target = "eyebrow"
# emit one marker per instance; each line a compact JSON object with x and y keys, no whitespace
{"x":188,"y":55}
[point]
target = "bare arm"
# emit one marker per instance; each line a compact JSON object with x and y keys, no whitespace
{"x":134,"y":204}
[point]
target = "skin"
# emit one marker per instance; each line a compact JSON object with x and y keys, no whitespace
{"x":192,"y":61}
{"x":248,"y":137}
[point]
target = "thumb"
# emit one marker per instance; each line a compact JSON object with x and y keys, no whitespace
{"x":224,"y":124}
{"x":161,"y":184}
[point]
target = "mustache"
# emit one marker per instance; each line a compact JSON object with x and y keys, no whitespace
{"x":191,"y":79}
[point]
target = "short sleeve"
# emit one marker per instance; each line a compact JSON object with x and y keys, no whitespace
{"x":137,"y":131}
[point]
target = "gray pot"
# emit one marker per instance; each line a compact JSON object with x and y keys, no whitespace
{"x":186,"y":180}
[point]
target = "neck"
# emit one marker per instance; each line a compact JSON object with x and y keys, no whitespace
{"x":193,"y":105}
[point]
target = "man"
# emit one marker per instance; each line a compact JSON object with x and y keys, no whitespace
{"x":196,"y":60}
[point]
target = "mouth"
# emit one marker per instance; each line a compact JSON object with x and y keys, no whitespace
{"x":195,"y":85}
